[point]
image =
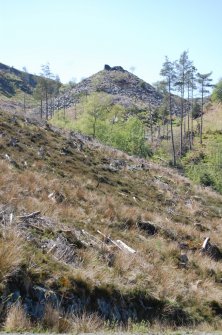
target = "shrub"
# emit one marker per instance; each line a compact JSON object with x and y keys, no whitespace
{"x":207,"y":179}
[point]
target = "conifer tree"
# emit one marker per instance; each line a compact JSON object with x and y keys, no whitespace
{"x":183,"y":66}
{"x":168,"y":72}
{"x":204,"y":82}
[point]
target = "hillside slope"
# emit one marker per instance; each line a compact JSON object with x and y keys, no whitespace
{"x":16,"y":89}
{"x":58,"y":189}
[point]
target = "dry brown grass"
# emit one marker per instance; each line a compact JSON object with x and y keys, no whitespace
{"x":87,"y":323}
{"x":51,"y":318}
{"x":54,"y":320}
{"x":158,"y":195}
{"x":17,"y":320}
{"x":11,"y":252}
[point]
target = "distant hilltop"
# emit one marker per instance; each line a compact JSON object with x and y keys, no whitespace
{"x":125,"y":88}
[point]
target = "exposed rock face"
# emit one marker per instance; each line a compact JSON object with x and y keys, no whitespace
{"x":114,"y":307}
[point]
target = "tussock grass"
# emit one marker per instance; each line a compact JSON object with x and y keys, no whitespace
{"x":11,"y":252}
{"x":87,"y":323}
{"x":54,"y":320}
{"x":17,"y":320}
{"x":51,"y":318}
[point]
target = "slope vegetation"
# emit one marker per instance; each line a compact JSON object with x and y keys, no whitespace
{"x":203,"y":165}
{"x":14,"y":84}
{"x":58,"y":189}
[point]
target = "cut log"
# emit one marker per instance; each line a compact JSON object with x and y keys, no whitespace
{"x":125,"y":247}
{"x":206,"y":243}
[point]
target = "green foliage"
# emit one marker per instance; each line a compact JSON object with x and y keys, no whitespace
{"x":94,"y":112}
{"x":196,"y":110}
{"x":207,"y":179}
{"x":129,"y":136}
{"x":98,"y":117}
{"x":204,"y":165}
{"x":217,"y":92}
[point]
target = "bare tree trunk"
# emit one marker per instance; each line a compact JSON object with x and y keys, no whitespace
{"x":46,"y":106}
{"x":151,"y":124}
{"x":171,"y":127}
{"x":41,"y":109}
{"x":191,"y":116}
{"x":188,"y":117}
{"x":201,"y":118}
{"x":181,"y":124}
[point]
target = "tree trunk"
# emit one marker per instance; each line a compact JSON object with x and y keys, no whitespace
{"x":41,"y":109}
{"x":151,"y":125}
{"x":181,"y":124}
{"x":46,"y":106}
{"x":201,"y":119}
{"x":188,"y":117}
{"x":171,"y":127}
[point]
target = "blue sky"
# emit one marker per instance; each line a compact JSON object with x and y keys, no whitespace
{"x":77,"y":37}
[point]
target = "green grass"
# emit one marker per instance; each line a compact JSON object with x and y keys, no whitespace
{"x":204,"y":164}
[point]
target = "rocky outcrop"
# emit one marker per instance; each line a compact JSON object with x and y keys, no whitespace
{"x":111,"y":304}
{"x":114,"y":68}
{"x":125,"y":88}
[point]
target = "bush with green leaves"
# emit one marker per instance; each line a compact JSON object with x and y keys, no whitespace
{"x":109,"y":123}
{"x":217,"y":92}
{"x":207,"y":179}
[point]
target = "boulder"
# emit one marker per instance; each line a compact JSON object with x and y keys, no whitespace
{"x":107,"y":67}
{"x":114,"y":68}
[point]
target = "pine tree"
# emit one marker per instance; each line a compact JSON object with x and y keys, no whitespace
{"x":168,"y":72}
{"x":204,"y":82}
{"x":183,"y":66}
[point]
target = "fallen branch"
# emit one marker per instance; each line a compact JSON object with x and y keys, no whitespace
{"x":30,"y":216}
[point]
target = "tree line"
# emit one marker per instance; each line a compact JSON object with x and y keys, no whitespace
{"x":181,"y":76}
{"x":46,"y":90}
{"x":181,"y":81}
